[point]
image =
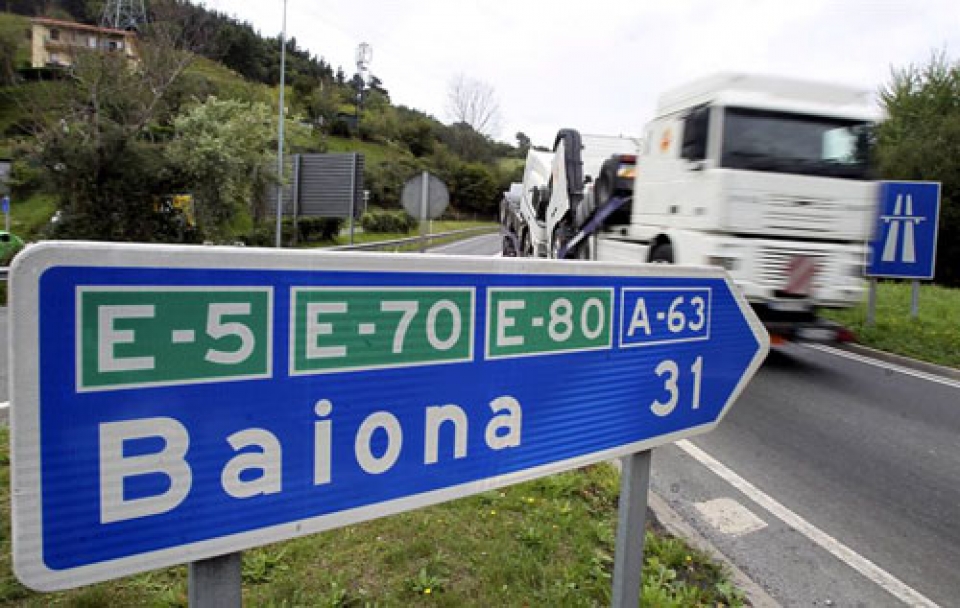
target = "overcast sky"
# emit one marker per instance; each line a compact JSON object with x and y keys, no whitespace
{"x":599,"y":65}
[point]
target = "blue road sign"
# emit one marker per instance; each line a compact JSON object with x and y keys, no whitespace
{"x":905,"y":239}
{"x":5,"y":204}
{"x":175,"y":403}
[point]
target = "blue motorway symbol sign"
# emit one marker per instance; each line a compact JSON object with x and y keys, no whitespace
{"x":178,"y":403}
{"x":904,"y":244}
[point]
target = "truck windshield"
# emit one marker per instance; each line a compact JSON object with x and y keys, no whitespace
{"x":761,"y":140}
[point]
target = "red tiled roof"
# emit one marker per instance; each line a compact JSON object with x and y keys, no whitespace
{"x":80,"y":26}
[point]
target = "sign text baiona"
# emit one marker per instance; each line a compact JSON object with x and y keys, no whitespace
{"x":172,"y":404}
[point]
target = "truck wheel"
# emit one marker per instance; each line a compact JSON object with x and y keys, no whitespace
{"x":662,"y":254}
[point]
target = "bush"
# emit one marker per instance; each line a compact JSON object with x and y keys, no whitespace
{"x":314,"y":229}
{"x":340,"y":128}
{"x":265,"y":234}
{"x":379,"y":220}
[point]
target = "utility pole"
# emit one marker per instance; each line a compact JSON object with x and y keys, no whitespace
{"x":283,"y":69}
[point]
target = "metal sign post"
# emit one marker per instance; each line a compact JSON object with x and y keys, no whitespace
{"x":631,"y":529}
{"x":424,"y":197}
{"x":872,"y":302}
{"x":216,"y":582}
{"x":195,"y":402}
{"x":353,"y":195}
{"x":914,"y":299}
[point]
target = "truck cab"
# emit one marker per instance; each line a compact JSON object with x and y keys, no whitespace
{"x":760,"y":175}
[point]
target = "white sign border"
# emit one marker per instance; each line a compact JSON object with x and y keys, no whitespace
{"x":29,"y":267}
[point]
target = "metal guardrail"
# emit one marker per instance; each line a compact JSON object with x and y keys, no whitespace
{"x":379,"y":245}
{"x":392,"y":243}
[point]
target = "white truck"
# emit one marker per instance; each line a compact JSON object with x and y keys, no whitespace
{"x":767,"y":177}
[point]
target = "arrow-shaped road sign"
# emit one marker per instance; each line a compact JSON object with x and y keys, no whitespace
{"x":171,"y":404}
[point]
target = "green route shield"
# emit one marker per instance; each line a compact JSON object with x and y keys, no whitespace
{"x":533,"y":321}
{"x":177,"y":335}
{"x":368,"y":328}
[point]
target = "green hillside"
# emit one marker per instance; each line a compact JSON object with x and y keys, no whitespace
{"x":95,"y":142}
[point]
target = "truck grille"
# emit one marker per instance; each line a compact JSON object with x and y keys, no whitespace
{"x":796,"y":214}
{"x":772,"y":263}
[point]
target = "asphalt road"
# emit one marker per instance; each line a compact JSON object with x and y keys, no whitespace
{"x":867,"y":455}
{"x":861,"y":461}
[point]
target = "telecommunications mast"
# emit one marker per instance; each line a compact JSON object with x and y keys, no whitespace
{"x":124,"y":15}
{"x":364,"y":56}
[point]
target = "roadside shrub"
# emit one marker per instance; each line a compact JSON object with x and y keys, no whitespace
{"x":340,"y":128}
{"x":313,"y":229}
{"x":264,"y":234}
{"x":379,"y":220}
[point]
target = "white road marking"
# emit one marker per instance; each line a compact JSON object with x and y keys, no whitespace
{"x":4,"y":405}
{"x":729,"y":517}
{"x":891,"y":366}
{"x":881,"y":577}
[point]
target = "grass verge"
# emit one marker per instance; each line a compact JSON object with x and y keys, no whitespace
{"x":29,"y":216}
{"x":934,"y":336}
{"x":548,"y":542}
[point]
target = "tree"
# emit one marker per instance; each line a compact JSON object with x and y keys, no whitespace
{"x":224,"y":150}
{"x":920,"y":140}
{"x":474,"y":188}
{"x":99,"y":136}
{"x":473,"y":103}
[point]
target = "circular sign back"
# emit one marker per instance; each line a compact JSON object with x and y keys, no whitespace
{"x":437,"y":196}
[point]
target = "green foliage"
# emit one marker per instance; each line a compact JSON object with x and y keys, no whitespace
{"x":12,"y":47}
{"x":418,"y":136}
{"x":379,"y":220}
{"x":474,"y":187}
{"x":318,"y":229}
{"x":110,"y":166}
{"x":920,"y":140}
{"x":99,"y":141}
{"x":933,"y":336}
{"x":223,"y":150}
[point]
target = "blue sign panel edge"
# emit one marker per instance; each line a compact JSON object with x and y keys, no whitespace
{"x":868,"y":271}
{"x":29,"y":564}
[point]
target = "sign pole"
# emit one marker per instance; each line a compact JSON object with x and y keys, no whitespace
{"x":872,"y":302}
{"x":915,"y":300}
{"x":283,"y":70}
{"x":216,"y":582}
{"x":424,"y":191}
{"x":628,"y":563}
{"x":353,"y":194}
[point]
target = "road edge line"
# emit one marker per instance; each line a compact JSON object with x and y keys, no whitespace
{"x":864,"y":566}
{"x":923,"y":375}
{"x":919,"y":365}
